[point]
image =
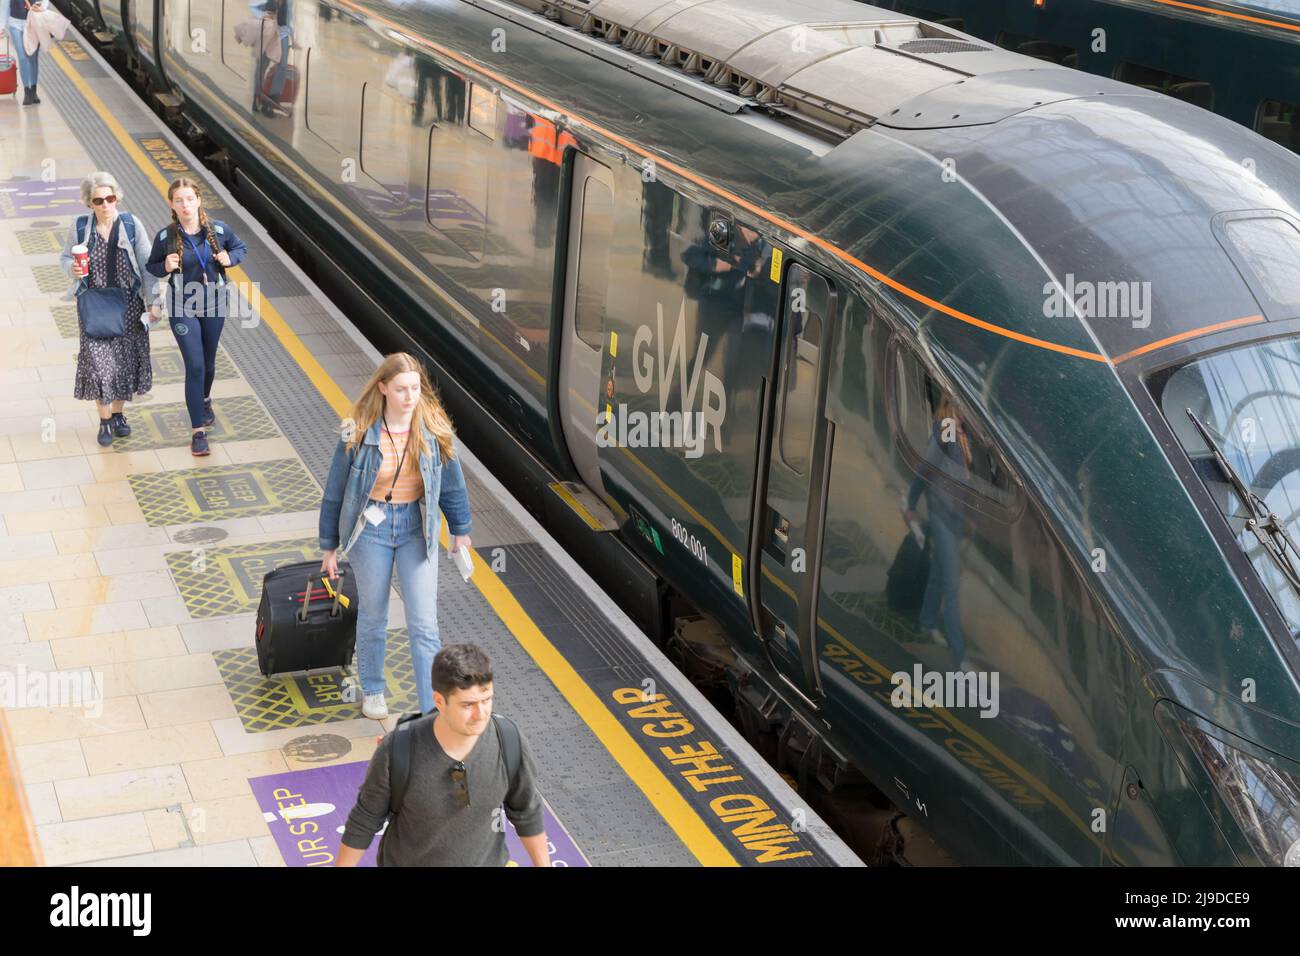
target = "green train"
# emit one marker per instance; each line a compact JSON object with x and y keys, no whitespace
{"x":957,"y":390}
{"x":1194,"y":51}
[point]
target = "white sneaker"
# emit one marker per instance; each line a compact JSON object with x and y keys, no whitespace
{"x":374,"y":707}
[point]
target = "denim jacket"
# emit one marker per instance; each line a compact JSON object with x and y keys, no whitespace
{"x":352,"y":477}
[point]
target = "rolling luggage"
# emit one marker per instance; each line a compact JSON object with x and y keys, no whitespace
{"x":305,"y":620}
{"x":8,"y":70}
{"x":290,"y":91}
{"x":907,"y":576}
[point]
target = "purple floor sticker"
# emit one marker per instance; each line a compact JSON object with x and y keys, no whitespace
{"x":307,"y":809}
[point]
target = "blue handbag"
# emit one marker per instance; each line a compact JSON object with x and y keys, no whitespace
{"x":102,"y":309}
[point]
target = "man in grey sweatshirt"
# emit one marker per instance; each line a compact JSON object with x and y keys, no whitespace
{"x":451,"y":811}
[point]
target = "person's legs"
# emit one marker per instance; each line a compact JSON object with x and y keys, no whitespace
{"x":946,"y":560}
{"x":189,"y":339}
{"x":26,"y":65}
{"x":371,"y":560}
{"x":281,"y":70}
{"x":419,"y":576}
{"x":212,"y":327}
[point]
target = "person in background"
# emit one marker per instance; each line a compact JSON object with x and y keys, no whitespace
{"x":193,"y":254}
{"x":111,"y":371}
{"x":15,"y":24}
{"x":392,"y":478}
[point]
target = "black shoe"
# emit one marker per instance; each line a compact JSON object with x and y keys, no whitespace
{"x":35,"y":99}
{"x":29,"y":96}
{"x":198,"y":444}
{"x":105,"y":432}
{"x":120,"y":428}
{"x":209,"y":416}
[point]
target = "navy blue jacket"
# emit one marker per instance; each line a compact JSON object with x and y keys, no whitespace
{"x":182,"y":297}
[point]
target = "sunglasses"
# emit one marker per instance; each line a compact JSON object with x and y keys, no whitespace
{"x":458,"y":776}
{"x":100,"y":200}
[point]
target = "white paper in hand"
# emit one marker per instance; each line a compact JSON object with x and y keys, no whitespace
{"x":464,"y":563}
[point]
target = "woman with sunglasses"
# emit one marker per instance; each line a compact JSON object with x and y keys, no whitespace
{"x":111,"y":371}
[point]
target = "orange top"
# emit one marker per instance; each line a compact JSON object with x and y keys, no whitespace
{"x":410,"y":484}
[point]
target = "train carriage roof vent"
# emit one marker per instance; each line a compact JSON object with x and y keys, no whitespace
{"x":830,"y":66}
{"x":941,"y":46}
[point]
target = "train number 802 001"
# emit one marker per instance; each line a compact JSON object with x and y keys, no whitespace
{"x":692,"y":544}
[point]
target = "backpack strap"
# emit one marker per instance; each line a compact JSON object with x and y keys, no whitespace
{"x":83,"y":227}
{"x":511,"y":747}
{"x":399,"y":762}
{"x":129,"y":220}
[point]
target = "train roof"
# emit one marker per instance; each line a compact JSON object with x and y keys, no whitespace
{"x":1058,"y":175}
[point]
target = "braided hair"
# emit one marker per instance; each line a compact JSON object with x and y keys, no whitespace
{"x":204,"y":222}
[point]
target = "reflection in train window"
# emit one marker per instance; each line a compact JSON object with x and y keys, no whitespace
{"x":935,"y":430}
{"x":1280,"y":122}
{"x":457,"y":200}
{"x":593,"y":262}
{"x":385,"y":132}
{"x":1271,"y":247}
{"x":1039,"y":49}
{"x":239,"y":56}
{"x":483,"y":110}
{"x":807,"y":309}
{"x":1197,"y":92}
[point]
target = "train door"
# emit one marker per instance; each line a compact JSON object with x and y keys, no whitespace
{"x":586,"y":291}
{"x":793,"y":469}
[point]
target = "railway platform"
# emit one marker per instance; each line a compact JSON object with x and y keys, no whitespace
{"x":135,"y":728}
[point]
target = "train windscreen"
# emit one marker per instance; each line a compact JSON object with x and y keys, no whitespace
{"x":1237,"y":415}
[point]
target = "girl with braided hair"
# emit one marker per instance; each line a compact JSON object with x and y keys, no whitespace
{"x":193,"y":254}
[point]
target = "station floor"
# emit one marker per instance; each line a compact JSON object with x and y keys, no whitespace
{"x":141,"y":566}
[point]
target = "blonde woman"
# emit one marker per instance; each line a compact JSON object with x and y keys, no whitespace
{"x":392,"y":472}
{"x":111,"y":371}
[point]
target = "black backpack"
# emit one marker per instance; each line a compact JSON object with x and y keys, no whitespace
{"x":399,"y":756}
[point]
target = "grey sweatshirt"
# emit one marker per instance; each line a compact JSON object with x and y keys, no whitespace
{"x":433,"y":829}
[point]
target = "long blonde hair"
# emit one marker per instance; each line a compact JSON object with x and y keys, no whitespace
{"x":370,"y":406}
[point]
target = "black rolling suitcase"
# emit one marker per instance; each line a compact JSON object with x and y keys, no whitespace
{"x":305,"y":620}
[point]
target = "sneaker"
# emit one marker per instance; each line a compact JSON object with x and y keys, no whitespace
{"x":120,"y":428}
{"x":209,"y":416}
{"x":374,"y":706}
{"x":198,"y":444}
{"x":105,"y":432}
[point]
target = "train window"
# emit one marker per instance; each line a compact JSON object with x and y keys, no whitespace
{"x":936,"y":431}
{"x":593,"y":262}
{"x":807,"y":309}
{"x":483,"y":110}
{"x":1271,"y":247}
{"x":385,"y":138}
{"x":236,"y":56}
{"x":1280,"y":122}
{"x":1197,"y":92}
{"x":457,"y":200}
{"x":1038,"y":48}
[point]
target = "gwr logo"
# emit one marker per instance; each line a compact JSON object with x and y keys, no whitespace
{"x":712,"y":410}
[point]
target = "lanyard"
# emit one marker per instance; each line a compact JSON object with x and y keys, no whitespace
{"x":400,"y":461}
{"x":203,"y":259}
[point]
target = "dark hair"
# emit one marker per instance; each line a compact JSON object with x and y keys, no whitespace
{"x":460,"y":667}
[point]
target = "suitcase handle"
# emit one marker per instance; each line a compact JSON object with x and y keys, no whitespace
{"x":306,"y":603}
{"x":337,"y":592}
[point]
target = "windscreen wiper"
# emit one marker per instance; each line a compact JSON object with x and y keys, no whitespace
{"x":1264,"y":524}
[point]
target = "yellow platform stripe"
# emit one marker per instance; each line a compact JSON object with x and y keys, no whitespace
{"x":671,"y":805}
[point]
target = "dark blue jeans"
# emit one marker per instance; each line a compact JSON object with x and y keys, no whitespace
{"x":197,"y":338}
{"x":942,"y":590}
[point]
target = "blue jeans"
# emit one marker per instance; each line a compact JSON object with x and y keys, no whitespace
{"x":281,"y":69}
{"x":198,"y":345}
{"x":28,"y":66}
{"x":399,"y":539}
{"x":943,"y":583}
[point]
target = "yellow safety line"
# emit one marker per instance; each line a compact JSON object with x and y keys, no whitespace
{"x":671,"y":805}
